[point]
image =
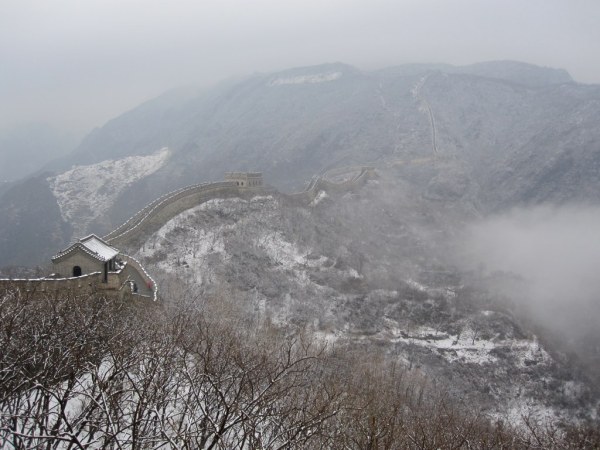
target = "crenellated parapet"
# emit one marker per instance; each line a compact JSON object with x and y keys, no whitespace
{"x":115,"y":285}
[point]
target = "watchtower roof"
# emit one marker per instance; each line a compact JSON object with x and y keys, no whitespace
{"x":92,"y":245}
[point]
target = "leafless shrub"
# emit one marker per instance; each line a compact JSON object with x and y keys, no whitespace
{"x":95,"y":373}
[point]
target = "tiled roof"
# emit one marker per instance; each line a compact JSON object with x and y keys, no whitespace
{"x":93,"y":246}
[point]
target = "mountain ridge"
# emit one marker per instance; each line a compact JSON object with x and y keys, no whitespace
{"x":301,"y":126}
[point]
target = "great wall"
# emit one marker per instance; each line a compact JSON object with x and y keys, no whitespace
{"x":155,"y":214}
{"x":114,"y":284}
{"x":149,"y":219}
{"x":130,"y":234}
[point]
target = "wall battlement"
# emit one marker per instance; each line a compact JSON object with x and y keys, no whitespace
{"x":117,"y":285}
{"x":156,"y":214}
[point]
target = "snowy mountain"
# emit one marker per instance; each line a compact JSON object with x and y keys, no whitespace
{"x":510,"y":133}
{"x":372,"y":268}
{"x":377,"y":267}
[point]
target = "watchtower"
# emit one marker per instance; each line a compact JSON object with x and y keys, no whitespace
{"x":245,"y":179}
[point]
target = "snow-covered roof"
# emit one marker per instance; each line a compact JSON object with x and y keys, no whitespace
{"x":92,"y":245}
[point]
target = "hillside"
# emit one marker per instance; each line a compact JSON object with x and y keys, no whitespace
{"x":374,"y":268}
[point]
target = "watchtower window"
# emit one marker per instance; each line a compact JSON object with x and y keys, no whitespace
{"x":76,"y":271}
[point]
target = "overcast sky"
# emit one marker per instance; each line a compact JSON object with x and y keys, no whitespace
{"x":77,"y":63}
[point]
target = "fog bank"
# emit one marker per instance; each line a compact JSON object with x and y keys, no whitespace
{"x":554,"y":251}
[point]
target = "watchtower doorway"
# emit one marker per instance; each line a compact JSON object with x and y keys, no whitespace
{"x":76,"y":271}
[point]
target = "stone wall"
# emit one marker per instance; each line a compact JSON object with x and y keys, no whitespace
{"x":85,"y":284}
{"x":148,"y":209}
{"x":116,"y":285}
{"x":135,"y":272}
{"x":131,"y":234}
{"x":319,"y":184}
{"x":154,"y":217}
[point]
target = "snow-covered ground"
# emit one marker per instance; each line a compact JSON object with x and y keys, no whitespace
{"x":180,"y":243}
{"x":85,"y":193}
{"x":280,"y":263}
{"x":192,"y":255}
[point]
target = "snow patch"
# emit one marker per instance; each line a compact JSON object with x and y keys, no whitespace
{"x":529,"y":353}
{"x":320,"y":197}
{"x":279,"y":250}
{"x":85,"y":193}
{"x":465,"y":347}
{"x":416,"y":285}
{"x":468,"y":347}
{"x":306,"y":79}
{"x":446,"y":292}
{"x":416,"y":90}
{"x":521,"y":408}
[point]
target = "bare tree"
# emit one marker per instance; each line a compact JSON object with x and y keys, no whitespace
{"x":89,"y":372}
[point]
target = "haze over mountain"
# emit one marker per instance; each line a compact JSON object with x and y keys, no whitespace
{"x":27,"y":148}
{"x":419,"y":269}
{"x":385,"y":264}
{"x":76,"y":67}
{"x":509,"y":133}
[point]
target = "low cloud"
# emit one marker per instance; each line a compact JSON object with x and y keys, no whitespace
{"x":554,"y":252}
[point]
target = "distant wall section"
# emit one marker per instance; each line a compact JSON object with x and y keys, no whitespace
{"x":356,"y":177}
{"x":130,"y":235}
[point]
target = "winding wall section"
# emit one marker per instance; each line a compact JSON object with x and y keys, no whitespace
{"x":357,"y":177}
{"x":157,"y":213}
{"x":130,"y":234}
